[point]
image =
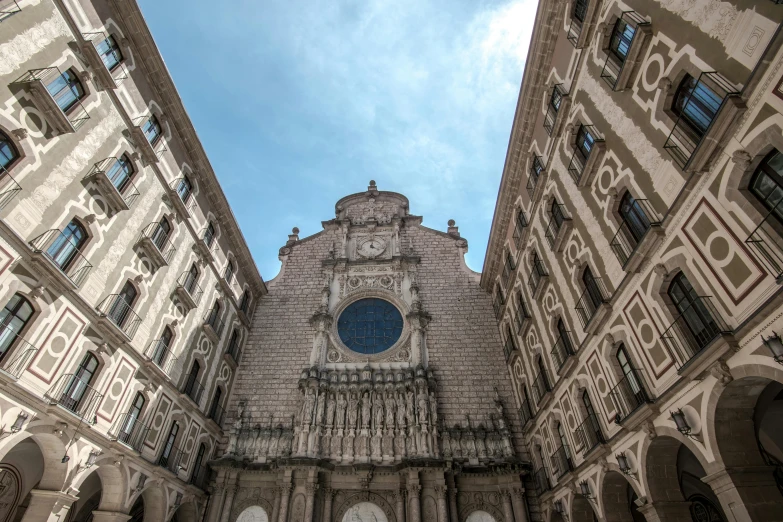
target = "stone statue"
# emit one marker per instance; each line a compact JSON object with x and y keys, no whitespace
{"x":341,"y":405}
{"x":353,"y":411}
{"x":330,"y":410}
{"x":378,"y":412}
{"x":400,"y":412}
{"x":423,"y":414}
{"x":307,"y":409}
{"x":409,"y":416}
{"x":365,"y":410}
{"x":319,"y":409}
{"x":390,"y":410}
{"x":433,"y":409}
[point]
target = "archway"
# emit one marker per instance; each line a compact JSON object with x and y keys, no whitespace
{"x":21,"y":471}
{"x":137,"y":511}
{"x":365,"y":511}
{"x":582,"y":510}
{"x":480,"y":516}
{"x":618,"y":498}
{"x":253,"y":514}
{"x":90,"y":493}
{"x":185,"y":513}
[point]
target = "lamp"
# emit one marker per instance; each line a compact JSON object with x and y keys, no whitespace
{"x":178,"y":499}
{"x":682,"y":423}
{"x":141,"y":482}
{"x":91,"y":459}
{"x":65,"y":459}
{"x":19,"y":422}
{"x":559,"y":506}
{"x":775,"y":345}
{"x":584,"y":488}
{"x":622,"y":461}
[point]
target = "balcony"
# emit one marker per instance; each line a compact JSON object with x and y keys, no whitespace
{"x":200,"y":478}
{"x":537,"y":279}
{"x":8,"y":8}
{"x":562,"y":352}
{"x":188,"y":291}
{"x":36,"y":81}
{"x":702,"y":126}
{"x":520,"y":226}
{"x":233,"y":353}
{"x":522,"y":317}
{"x":171,"y":461}
{"x":509,"y":348}
{"x":213,"y":325}
{"x":56,"y":254}
{"x":154,"y":240}
{"x":637,"y":235}
{"x":588,"y":435}
{"x":525,"y":413}
{"x":117,"y":189}
{"x":589,"y":151}
{"x":110,"y":70}
{"x":17,"y":354}
{"x":9,"y":188}
{"x":541,"y":478}
{"x":498,"y":302}
{"x":129,"y":431}
{"x":117,"y":314}
{"x":216,"y":414}
{"x":562,"y":461}
{"x":150,"y":151}
{"x":193,"y":389}
{"x":205,"y":249}
{"x":693,"y":331}
{"x":73,"y":394}
{"x":536,"y":178}
{"x":160,"y":355}
{"x":559,"y":103}
{"x":593,"y":305}
{"x":181,"y":197}
{"x":629,"y":395}
{"x":558,"y":228}
{"x":541,"y":390}
{"x":766,"y":244}
{"x":626,"y":44}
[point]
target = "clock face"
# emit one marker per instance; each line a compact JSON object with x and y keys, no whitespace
{"x":371,"y":247}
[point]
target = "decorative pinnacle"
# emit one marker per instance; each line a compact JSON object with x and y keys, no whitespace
{"x":372,"y":182}
{"x":295,"y":230}
{"x":452,"y":222}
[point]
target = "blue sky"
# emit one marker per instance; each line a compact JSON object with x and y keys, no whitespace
{"x":300,"y":103}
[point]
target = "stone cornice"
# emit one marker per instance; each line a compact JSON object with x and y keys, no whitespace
{"x":539,"y":56}
{"x":151,"y":61}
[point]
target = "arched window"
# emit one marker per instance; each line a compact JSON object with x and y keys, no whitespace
{"x":229,"y":275}
{"x":110,"y":53}
{"x":593,"y":290}
{"x":233,"y":345}
{"x":580,"y":9}
{"x":202,"y":449}
{"x":244,"y":303}
{"x":152,"y":130}
{"x":697,"y":318}
{"x":79,"y":382}
{"x":191,"y":279}
{"x":66,"y":89}
{"x":214,"y":315}
{"x":585,"y":141}
{"x":564,"y":442}
{"x":162,"y":346}
{"x":557,"y":214}
{"x":184,"y":189}
{"x":120,"y":173}
{"x":66,"y":247}
{"x":122,"y":306}
{"x":696,"y":104}
{"x":634,"y":218}
{"x":13,"y":320}
{"x":192,"y":385}
{"x":633,"y":384}
{"x":131,"y":419}
{"x":767,"y":183}
{"x":8,"y":153}
{"x":161,"y":234}
{"x":562,"y":333}
{"x":214,"y":409}
{"x":621,"y":39}
{"x":169,"y":446}
{"x":588,"y":404}
{"x":209,"y":234}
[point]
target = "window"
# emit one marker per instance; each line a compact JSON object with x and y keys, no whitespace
{"x":233,"y":345}
{"x":370,"y":326}
{"x":522,"y":313}
{"x":215,"y":403}
{"x":536,"y":168}
{"x":167,"y":449}
{"x":229,"y":275}
{"x":499,"y":300}
{"x":152,"y":130}
{"x":562,"y":332}
{"x":519,"y":229}
{"x":13,"y":320}
{"x":580,"y":9}
{"x":555,"y":99}
{"x":202,"y":449}
{"x":767,"y":183}
{"x":694,"y":313}
{"x":66,"y":89}
{"x":511,"y":345}
{"x":584,"y":141}
{"x":122,"y":306}
{"x":163,"y":346}
{"x":620,"y":41}
{"x":564,"y":442}
{"x":541,"y":368}
{"x":697,"y":104}
{"x":191,"y":383}
{"x":508,"y":267}
{"x":191,"y":279}
{"x":244,"y":303}
{"x":110,"y":53}
{"x":161,"y":234}
{"x":592,"y":288}
{"x":120,"y":173}
{"x":184,"y":189}
{"x":8,"y":152}
{"x":588,"y":404}
{"x":214,"y":315}
{"x":80,"y":381}
{"x":209,"y":234}
{"x":132,"y":418}
{"x":557,"y":214}
{"x":67,"y":245}
{"x":628,"y":372}
{"x":636,"y":221}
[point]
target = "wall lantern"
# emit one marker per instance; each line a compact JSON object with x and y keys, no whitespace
{"x":141,"y":482}
{"x":559,"y":507}
{"x":19,"y":422}
{"x":91,"y":459}
{"x":622,"y":461}
{"x":775,"y":345}
{"x":681,"y":422}
{"x":584,"y":488}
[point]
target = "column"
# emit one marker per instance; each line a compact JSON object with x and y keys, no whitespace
{"x":109,"y":516}
{"x":328,"y":498}
{"x":518,"y":502}
{"x":49,"y":506}
{"x":508,"y":511}
{"x":452,"y":483}
{"x":440,"y":496}
{"x":414,"y":502}
{"x":747,"y":494}
{"x":215,"y":503}
{"x":228,"y":504}
{"x":285,"y":494}
{"x":310,"y":501}
{"x":276,"y":506}
{"x":399,"y":505}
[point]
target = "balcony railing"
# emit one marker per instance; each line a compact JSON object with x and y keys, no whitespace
{"x":75,"y":395}
{"x":8,"y":187}
{"x":625,"y":31}
{"x":509,"y":347}
{"x":556,"y":222}
{"x":519,"y":229}
{"x":498,"y":302}
{"x":217,"y":413}
{"x":697,"y":115}
{"x":214,"y":321}
{"x":172,"y":461}
{"x":193,"y":389}
{"x":588,"y":434}
{"x":8,"y":8}
{"x":161,"y":356}
{"x":525,"y":412}
{"x":158,"y":236}
{"x":63,"y":254}
{"x":536,"y":273}
{"x":641,"y":217}
{"x":562,"y":461}
{"x":200,"y":477}
{"x":157,"y":145}
{"x":766,"y":244}
{"x":183,"y":194}
{"x":562,"y":350}
{"x":39,"y":81}
{"x":129,"y":430}
{"x":118,"y":72}
{"x":541,"y":386}
{"x":574,"y":31}
{"x":629,"y":394}
{"x":189,"y":283}
{"x":694,"y":330}
{"x":233,"y":350}
{"x":579,"y":158}
{"x":17,"y":353}
{"x":593,"y":296}
{"x":121,"y":192}
{"x":523,"y":315}
{"x":120,"y":313}
{"x":553,"y":107}
{"x":543,"y":484}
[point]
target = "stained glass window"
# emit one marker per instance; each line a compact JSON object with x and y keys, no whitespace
{"x":370,"y":326}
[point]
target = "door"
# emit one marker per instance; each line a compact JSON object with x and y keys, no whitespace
{"x":66,"y":246}
{"x":162,"y":346}
{"x":121,"y":308}
{"x":120,"y":173}
{"x":161,"y":234}
{"x":169,"y":446}
{"x":699,"y":326}
{"x":132,"y":419}
{"x":634,"y":218}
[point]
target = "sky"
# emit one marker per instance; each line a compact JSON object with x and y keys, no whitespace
{"x":301,"y":103}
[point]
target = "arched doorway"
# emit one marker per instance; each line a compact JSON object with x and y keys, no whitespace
{"x":618,"y":498}
{"x":480,"y":516}
{"x":365,"y":511}
{"x":253,"y":514}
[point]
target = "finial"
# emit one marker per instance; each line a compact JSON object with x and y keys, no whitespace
{"x":453,"y":229}
{"x":293,"y":237}
{"x":452,"y":222}
{"x":295,"y":230}
{"x":372,"y":182}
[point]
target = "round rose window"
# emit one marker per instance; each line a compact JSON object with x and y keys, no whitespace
{"x":370,"y":326}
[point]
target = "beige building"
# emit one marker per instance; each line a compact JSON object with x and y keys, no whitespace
{"x":635,"y":260}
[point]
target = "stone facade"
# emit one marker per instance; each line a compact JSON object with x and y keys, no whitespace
{"x":635,"y":261}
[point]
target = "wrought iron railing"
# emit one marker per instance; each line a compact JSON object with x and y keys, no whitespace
{"x":8,"y":8}
{"x":766,"y":244}
{"x":76,"y":114}
{"x":694,"y":330}
{"x":519,"y":229}
{"x":697,"y":115}
{"x":508,"y":270}
{"x":120,"y":313}
{"x":193,"y":388}
{"x":541,"y":386}
{"x":129,"y":430}
{"x":127,"y":190}
{"x":580,"y":156}
{"x":161,"y":355}
{"x":537,"y":271}
{"x":61,"y":250}
{"x":160,"y":238}
{"x":118,"y":70}
{"x":774,"y":462}
{"x":522,"y":315}
{"x":214,"y":321}
{"x":562,"y":461}
{"x":629,"y":394}
{"x":553,"y":107}
{"x":541,"y":477}
{"x":233,"y":349}
{"x":562,"y":350}
{"x":172,"y":460}
{"x":158,"y":144}
{"x":17,"y":352}
{"x":557,"y":219}
{"x":525,"y":412}
{"x":75,"y":395}
{"x":592,"y":297}
{"x":189,"y":283}
{"x":498,"y":301}
{"x":625,"y":31}
{"x":8,"y":187}
{"x":509,"y":347}
{"x":184,"y":194}
{"x":588,"y":435}
{"x":642,"y":217}
{"x":217,"y":413}
{"x":574,"y":31}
